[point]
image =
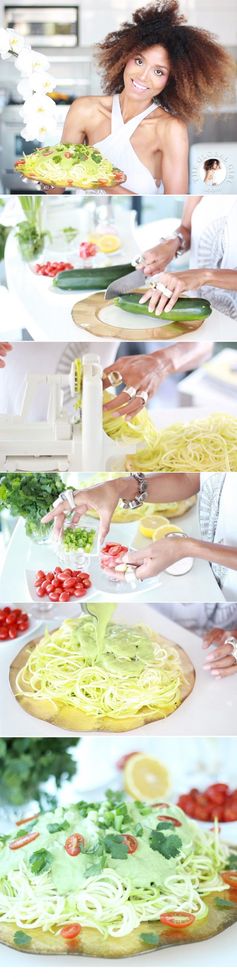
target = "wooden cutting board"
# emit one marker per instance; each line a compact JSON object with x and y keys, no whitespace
{"x":88,"y":314}
{"x":71,"y":719}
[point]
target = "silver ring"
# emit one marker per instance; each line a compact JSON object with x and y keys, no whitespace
{"x":143,"y":395}
{"x":114,"y":378}
{"x":130,"y":391}
{"x":232,"y":642}
{"x":159,"y":287}
{"x":67,"y":496}
{"x":138,"y":260}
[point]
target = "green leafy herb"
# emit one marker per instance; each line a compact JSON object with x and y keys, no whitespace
{"x":149,"y":938}
{"x":27,"y":763}
{"x":222,"y":902}
{"x":232,"y":862}
{"x":115,"y":845}
{"x":40,"y":861}
{"x":164,"y":826}
{"x":20,"y":938}
{"x":168,"y":846}
{"x":138,"y":829}
{"x":57,"y":827}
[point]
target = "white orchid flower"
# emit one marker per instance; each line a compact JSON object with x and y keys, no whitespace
{"x":41,"y":81}
{"x":25,"y":88}
{"x":43,"y":130}
{"x":4,"y":44}
{"x":37,"y":106}
{"x":29,"y":61}
{"x":16,"y":42}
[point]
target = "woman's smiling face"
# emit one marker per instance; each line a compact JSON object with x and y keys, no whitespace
{"x":147,"y":73}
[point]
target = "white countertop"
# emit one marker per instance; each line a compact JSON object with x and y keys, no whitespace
{"x":48,"y":312}
{"x":199,"y":584}
{"x":214,"y":703}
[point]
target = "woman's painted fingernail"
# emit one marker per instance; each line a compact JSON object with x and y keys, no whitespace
{"x":215,"y":673}
{"x":207,"y":666}
{"x":158,"y":312}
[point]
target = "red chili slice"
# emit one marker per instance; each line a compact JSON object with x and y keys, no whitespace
{"x":73,"y":844}
{"x":22,"y":841}
{"x":29,"y":819}
{"x":177,"y":919}
{"x":70,"y":932}
{"x":131,"y":842}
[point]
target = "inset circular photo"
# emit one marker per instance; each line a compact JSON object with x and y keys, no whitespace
{"x":213,"y":171}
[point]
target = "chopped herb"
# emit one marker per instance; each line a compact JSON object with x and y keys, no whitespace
{"x":138,"y":830}
{"x":168,"y":846}
{"x":115,"y":845}
{"x":232,"y":862}
{"x":40,"y":861}
{"x":56,"y":827}
{"x":149,"y":938}
{"x":222,"y":902}
{"x":162,"y":825}
{"x":20,"y":938}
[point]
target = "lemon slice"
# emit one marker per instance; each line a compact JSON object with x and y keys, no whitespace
{"x":108,"y":243}
{"x":146,"y":779}
{"x":162,"y":531}
{"x":148,"y":525}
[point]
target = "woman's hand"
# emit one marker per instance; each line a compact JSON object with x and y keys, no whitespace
{"x":178,"y":284}
{"x":157,"y":557}
{"x":4,"y":349}
{"x":103,"y":498}
{"x":144,"y":373}
{"x":156,"y":259}
{"x":220,"y":662}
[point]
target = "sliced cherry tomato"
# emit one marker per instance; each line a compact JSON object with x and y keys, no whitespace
{"x":73,"y":844}
{"x":170,"y":819}
{"x":29,"y":819}
{"x":69,"y":932}
{"x":131,"y":842}
{"x":177,"y":919}
{"x":22,"y":841}
{"x":230,"y":878}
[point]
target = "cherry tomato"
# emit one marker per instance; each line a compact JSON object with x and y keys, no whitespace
{"x":23,"y":840}
{"x":177,"y":919}
{"x":70,"y":932}
{"x":131,"y":842}
{"x":230,"y":878}
{"x":73,"y":844}
{"x":12,"y":631}
{"x":217,"y":792}
{"x":3,"y":633}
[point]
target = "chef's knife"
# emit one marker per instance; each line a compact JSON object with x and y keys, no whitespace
{"x":127,"y":283}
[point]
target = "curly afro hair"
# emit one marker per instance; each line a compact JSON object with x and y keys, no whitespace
{"x":201,"y":69}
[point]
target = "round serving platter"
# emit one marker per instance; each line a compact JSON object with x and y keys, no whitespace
{"x":91,"y":314}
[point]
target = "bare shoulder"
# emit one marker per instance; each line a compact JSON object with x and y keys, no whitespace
{"x":175,"y":130}
{"x":87,"y":105}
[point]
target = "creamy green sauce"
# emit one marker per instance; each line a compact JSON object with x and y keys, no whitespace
{"x":121,"y":649}
{"x":142,"y":868}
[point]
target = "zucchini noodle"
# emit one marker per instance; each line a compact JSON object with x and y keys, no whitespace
{"x":133,"y":671}
{"x":116,"y":900}
{"x":205,"y":445}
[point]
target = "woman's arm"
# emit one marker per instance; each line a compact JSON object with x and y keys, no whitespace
{"x":75,"y":126}
{"x":145,"y":372}
{"x":175,"y":157}
{"x":105,"y":497}
{"x":4,"y":349}
{"x":159,"y":556}
{"x":187,"y":281}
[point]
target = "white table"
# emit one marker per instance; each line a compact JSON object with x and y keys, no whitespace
{"x":48,"y":312}
{"x":214,"y":702}
{"x":198,"y":584}
{"x":199,"y":388}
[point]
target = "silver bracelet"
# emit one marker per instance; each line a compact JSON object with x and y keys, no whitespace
{"x":182,"y":247}
{"x":140,"y":497}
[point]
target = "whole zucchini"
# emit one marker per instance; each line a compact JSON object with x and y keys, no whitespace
{"x":97,"y":278}
{"x":184,"y":309}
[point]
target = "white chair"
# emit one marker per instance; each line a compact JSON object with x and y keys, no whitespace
{"x":227,"y":154}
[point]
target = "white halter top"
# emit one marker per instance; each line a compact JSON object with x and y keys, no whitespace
{"x":119,"y":150}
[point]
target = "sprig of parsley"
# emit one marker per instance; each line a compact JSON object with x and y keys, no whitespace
{"x":168,"y":846}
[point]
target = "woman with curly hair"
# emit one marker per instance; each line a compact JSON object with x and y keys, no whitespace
{"x":158,"y":73}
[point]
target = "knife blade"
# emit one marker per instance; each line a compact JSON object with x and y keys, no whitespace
{"x":127,"y":283}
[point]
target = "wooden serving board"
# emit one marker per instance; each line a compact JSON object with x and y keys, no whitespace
{"x":90,"y":942}
{"x":87,"y":314}
{"x":71,"y":719}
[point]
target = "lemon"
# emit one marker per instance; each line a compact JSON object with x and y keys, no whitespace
{"x":145,"y":778}
{"x":108,"y":243}
{"x":162,"y":531}
{"x":148,"y":525}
